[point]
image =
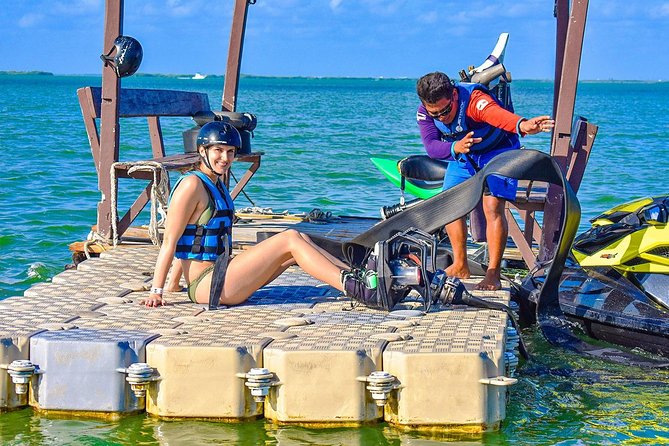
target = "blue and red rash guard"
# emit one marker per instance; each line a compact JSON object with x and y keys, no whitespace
{"x":480,"y":111}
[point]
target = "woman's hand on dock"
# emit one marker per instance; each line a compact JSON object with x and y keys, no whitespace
{"x":154,"y":300}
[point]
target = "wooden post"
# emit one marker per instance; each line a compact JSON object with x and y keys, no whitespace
{"x":561,"y":14}
{"x":231,"y":85}
{"x":109,"y":126}
{"x":564,"y":112}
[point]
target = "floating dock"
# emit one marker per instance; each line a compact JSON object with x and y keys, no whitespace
{"x":297,"y":352}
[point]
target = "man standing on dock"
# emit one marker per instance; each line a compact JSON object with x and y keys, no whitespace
{"x":465,"y":125}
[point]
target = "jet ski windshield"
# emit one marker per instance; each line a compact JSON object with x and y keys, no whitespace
{"x":655,"y":214}
{"x":656,"y":286}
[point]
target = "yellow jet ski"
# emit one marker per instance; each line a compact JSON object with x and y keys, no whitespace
{"x":617,"y":283}
{"x":633,"y":239}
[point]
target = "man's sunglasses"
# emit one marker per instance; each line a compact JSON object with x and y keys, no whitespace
{"x":446,"y":110}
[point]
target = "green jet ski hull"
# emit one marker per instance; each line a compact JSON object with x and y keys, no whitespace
{"x":388,"y":167}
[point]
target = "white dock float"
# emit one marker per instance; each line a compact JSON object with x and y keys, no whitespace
{"x":309,"y":357}
{"x":452,"y":360}
{"x":83,"y":370}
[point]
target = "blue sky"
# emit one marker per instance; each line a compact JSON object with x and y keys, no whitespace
{"x":389,"y":38}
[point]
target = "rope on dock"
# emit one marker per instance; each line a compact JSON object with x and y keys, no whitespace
{"x":94,"y":238}
{"x":317,"y":215}
{"x":159,"y":196}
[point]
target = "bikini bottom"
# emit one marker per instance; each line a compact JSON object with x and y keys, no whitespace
{"x":192,"y":287}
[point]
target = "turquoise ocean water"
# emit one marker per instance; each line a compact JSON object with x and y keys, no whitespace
{"x":317,"y":135}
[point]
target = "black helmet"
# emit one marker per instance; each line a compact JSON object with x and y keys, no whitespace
{"x":218,"y":132}
{"x":127,"y":58}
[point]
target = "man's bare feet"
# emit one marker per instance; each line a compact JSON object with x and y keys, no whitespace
{"x":459,"y":271}
{"x":491,"y":282}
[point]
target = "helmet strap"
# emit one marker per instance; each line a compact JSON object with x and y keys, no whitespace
{"x":205,"y":160}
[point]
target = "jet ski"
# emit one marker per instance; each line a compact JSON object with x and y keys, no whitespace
{"x":616,"y":285}
{"x":615,"y":281}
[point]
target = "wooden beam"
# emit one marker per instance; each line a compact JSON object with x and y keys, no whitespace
{"x":88,"y":113}
{"x":139,"y":102}
{"x":137,"y":207}
{"x":156,"y":134}
{"x":518,"y":238}
{"x":232,"y":70}
{"x":109,"y":126}
{"x":568,"y":82}
{"x":561,"y":13}
{"x":586,"y":133}
{"x":564,"y":114}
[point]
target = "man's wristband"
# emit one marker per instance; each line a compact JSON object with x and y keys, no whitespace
{"x":156,"y":290}
{"x":518,"y":126}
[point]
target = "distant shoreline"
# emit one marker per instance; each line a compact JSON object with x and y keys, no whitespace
{"x":261,"y":76}
{"x":21,"y":73}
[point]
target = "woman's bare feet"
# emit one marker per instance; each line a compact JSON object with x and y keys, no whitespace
{"x":491,"y":282}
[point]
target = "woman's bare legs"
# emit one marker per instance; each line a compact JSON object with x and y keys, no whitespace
{"x":252,"y":269}
{"x":174,"y":278}
{"x":329,"y":256}
{"x":284,"y":266}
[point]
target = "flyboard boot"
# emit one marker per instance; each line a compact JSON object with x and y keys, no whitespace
{"x":404,"y":263}
{"x":385,"y":276}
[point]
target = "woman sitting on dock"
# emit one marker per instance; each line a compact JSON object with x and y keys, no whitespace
{"x":199,"y":225}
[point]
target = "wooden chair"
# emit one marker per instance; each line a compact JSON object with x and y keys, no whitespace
{"x":153,"y":105}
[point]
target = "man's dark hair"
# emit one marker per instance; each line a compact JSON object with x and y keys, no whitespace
{"x":434,"y":86}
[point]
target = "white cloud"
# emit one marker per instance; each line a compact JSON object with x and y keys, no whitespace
{"x":429,"y":18}
{"x":663,"y":10}
{"x":182,"y":8}
{"x":29,"y":20}
{"x":334,"y":4}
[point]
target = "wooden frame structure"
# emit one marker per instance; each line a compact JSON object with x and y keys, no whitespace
{"x":569,"y":45}
{"x":111,"y":102}
{"x":571,"y":142}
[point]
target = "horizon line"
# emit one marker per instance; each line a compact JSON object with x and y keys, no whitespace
{"x":188,"y":76}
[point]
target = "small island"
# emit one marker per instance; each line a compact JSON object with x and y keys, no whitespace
{"x":17,"y":73}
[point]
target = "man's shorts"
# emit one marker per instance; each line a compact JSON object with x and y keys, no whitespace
{"x":499,"y":186}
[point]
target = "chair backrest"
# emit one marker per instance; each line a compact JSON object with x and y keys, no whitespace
{"x":583,"y":138}
{"x":144,"y":102}
{"x":151,"y":104}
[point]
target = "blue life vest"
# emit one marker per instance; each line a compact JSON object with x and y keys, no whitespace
{"x":492,"y":137}
{"x":205,"y":242}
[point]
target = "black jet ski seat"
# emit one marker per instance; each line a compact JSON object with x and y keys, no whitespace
{"x":421,"y":170}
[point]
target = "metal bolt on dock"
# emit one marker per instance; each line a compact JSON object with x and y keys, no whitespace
{"x":140,"y":375}
{"x":21,"y":372}
{"x":259,"y":381}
